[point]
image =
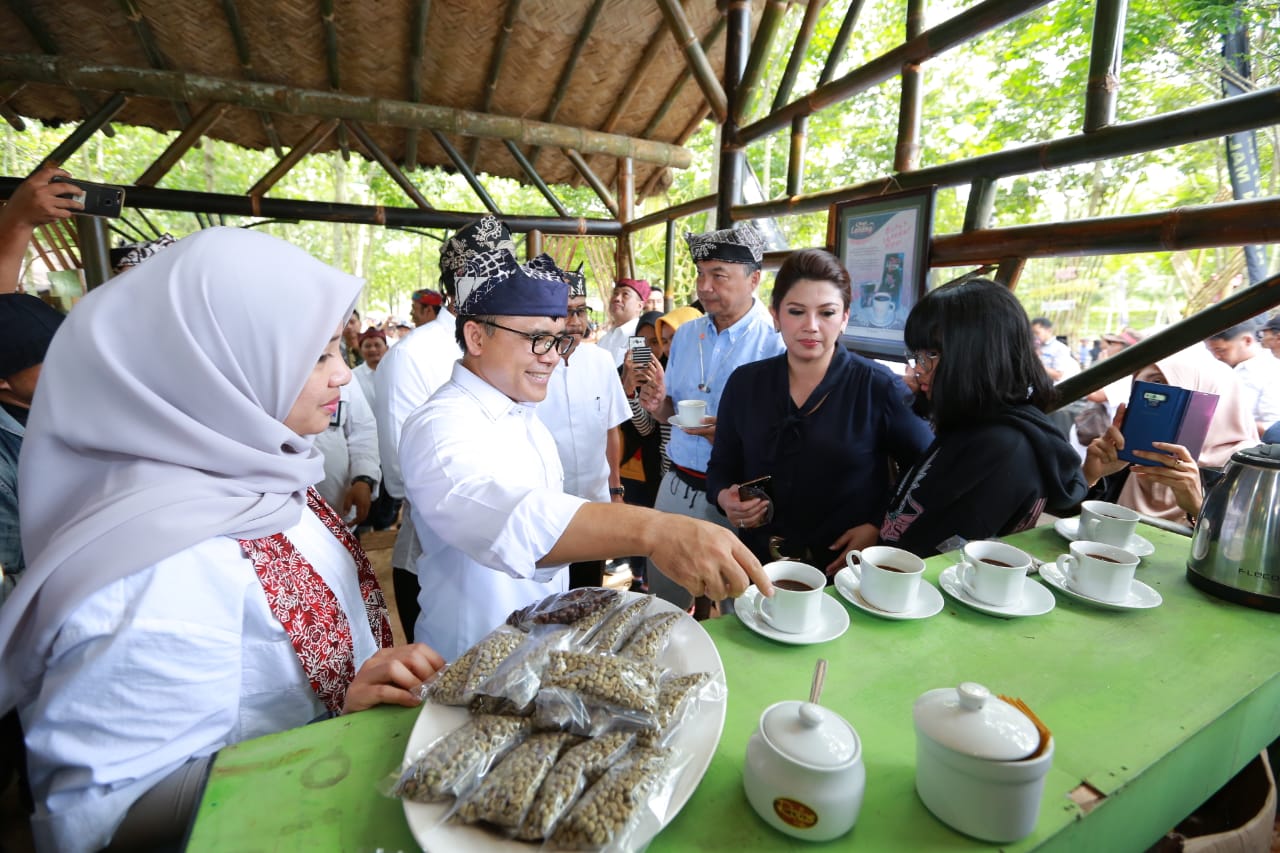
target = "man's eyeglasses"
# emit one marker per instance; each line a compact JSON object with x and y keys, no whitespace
{"x":541,"y":343}
{"x":579,"y":312}
{"x":924,"y":360}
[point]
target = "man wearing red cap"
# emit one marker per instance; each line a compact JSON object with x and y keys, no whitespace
{"x":425,"y":306}
{"x":625,"y":306}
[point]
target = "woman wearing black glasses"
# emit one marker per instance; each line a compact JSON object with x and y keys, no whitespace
{"x":997,"y":461}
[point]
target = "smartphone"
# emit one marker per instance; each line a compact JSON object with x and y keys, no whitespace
{"x":760,"y":487}
{"x":98,"y":199}
{"x":335,"y":420}
{"x":640,"y":352}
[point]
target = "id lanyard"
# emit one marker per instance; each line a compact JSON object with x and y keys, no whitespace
{"x":705,"y":384}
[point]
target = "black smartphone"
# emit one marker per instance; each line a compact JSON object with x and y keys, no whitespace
{"x":335,"y":420}
{"x":760,"y":487}
{"x":640,"y":352}
{"x":98,"y":199}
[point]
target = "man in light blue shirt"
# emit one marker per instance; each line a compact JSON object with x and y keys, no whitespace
{"x":703,"y":354}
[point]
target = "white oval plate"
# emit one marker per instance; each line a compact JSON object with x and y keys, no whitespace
{"x":689,"y":649}
{"x":1069,"y":529}
{"x":1141,"y":596}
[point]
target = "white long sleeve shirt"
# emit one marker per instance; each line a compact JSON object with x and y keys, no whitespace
{"x":486,"y":488}
{"x":171,"y":663}
{"x":584,"y":401}
{"x":405,"y":379}
{"x":350,"y":448}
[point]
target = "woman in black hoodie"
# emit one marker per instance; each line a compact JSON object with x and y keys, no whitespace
{"x":997,"y":461}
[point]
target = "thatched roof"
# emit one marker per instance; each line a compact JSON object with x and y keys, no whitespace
{"x":71,"y":55}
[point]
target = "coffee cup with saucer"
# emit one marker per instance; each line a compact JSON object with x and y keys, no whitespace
{"x":888,"y":582}
{"x":1070,"y":529}
{"x":689,"y":414}
{"x":807,"y":616}
{"x":1034,"y":600}
{"x":1107,"y":583}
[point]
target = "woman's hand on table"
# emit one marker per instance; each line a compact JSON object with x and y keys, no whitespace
{"x":391,"y":677}
{"x":855,"y":538}
{"x":1101,"y":458}
{"x":742,"y":514}
{"x":1175,"y":468}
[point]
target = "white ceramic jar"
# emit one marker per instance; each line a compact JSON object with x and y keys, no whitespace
{"x":804,"y":773}
{"x":973,"y":769}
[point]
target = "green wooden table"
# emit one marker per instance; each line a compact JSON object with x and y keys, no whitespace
{"x":1153,"y":710}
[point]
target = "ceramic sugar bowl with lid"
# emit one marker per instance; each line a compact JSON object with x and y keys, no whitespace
{"x":804,"y":773}
{"x":979,"y":765}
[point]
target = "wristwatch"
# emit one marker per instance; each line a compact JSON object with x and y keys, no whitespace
{"x":368,"y":481}
{"x":617,"y":490}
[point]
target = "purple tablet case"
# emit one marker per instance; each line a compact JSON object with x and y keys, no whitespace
{"x":1166,"y":413}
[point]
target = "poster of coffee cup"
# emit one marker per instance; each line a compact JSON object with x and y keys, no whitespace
{"x":884,"y":244}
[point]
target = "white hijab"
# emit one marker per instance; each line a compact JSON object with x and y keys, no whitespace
{"x":158,"y":423}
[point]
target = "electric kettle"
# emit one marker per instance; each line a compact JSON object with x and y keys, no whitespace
{"x":1235,"y":549}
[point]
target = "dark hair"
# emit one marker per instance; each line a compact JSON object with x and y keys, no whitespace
{"x":1044,"y":322}
{"x":811,"y":265}
{"x":1248,"y":327}
{"x":482,"y":319}
{"x":988,"y":360}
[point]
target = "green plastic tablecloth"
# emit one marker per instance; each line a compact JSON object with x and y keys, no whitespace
{"x":1153,"y":709}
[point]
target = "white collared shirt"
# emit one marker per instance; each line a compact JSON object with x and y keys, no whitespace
{"x":170,"y":663}
{"x":614,"y":341}
{"x":486,"y":489}
{"x":584,"y":401}
{"x":1260,"y":386}
{"x":405,"y":379}
{"x":350,"y":449}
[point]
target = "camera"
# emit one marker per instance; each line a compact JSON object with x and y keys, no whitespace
{"x":98,"y":199}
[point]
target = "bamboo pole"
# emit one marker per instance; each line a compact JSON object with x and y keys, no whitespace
{"x":537,"y":180}
{"x":770,"y":19}
{"x":906,"y":155}
{"x":1008,"y":271}
{"x":982,"y":200}
{"x":86,"y":129}
{"x":15,"y":121}
{"x":187,"y":201}
{"x":388,"y":165}
{"x":842,"y":41}
{"x":669,"y":267}
{"x":674,"y":92}
{"x":692,"y":207}
{"x":626,"y":180}
{"x":232,"y":13}
{"x":1204,"y":121}
{"x":1104,"y":64}
{"x":696,"y":57}
{"x":1237,"y":223}
{"x":142,"y":30}
{"x":795,"y":162}
{"x":495,"y":69}
{"x":566,"y":75}
{"x":732,"y":156}
{"x":798,"y":49}
{"x":580,"y":163}
{"x":91,"y":236}
{"x":963,"y":27}
{"x":467,"y":174}
{"x":533,"y":245}
{"x":623,"y":101}
{"x":26,"y":14}
{"x":331,"y":66}
{"x":63,"y":72}
{"x":305,"y":146}
{"x":417,"y":42}
{"x":182,"y":144}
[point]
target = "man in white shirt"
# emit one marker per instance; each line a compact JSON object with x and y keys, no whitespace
{"x":584,"y":407}
{"x":1056,"y":356}
{"x":406,"y":378}
{"x":625,"y":306}
{"x":425,"y":306}
{"x":703,"y":353}
{"x":350,"y":450}
{"x":1257,"y":369}
{"x":485,"y":481}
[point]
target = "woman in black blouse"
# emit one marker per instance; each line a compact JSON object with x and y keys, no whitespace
{"x":820,"y":421}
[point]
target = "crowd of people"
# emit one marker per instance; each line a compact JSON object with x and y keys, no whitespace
{"x":197,"y":456}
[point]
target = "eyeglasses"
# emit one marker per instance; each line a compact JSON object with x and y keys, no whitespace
{"x":579,"y":312}
{"x":541,"y":343}
{"x":923,"y":361}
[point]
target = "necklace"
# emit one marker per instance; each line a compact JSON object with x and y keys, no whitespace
{"x":705,"y":384}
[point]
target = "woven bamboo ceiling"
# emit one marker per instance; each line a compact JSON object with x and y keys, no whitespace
{"x":398,"y":68}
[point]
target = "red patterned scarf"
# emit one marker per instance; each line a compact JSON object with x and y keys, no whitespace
{"x":309,"y":610}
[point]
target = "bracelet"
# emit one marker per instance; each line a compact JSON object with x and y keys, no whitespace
{"x":617,"y":490}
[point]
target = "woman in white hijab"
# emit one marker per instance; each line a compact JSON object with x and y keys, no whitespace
{"x":1173,"y":486}
{"x":185,"y":589}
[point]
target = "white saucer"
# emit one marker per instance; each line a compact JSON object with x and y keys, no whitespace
{"x":1141,"y":596}
{"x":676,"y":422}
{"x":1036,"y":600}
{"x":835,"y":621}
{"x":1069,"y":529}
{"x":928,"y":600}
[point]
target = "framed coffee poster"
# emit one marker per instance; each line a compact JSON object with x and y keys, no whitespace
{"x":884,"y":243}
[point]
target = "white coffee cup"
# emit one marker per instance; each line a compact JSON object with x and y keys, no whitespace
{"x":691,"y":412}
{"x":888,"y":578}
{"x":1105,"y":522}
{"x":993,"y":572}
{"x":882,"y":306}
{"x":796,"y":606}
{"x":1098,"y":570}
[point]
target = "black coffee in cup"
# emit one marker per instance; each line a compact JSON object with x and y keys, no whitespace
{"x":1001,"y":563}
{"x":1102,"y":558}
{"x":794,"y":586}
